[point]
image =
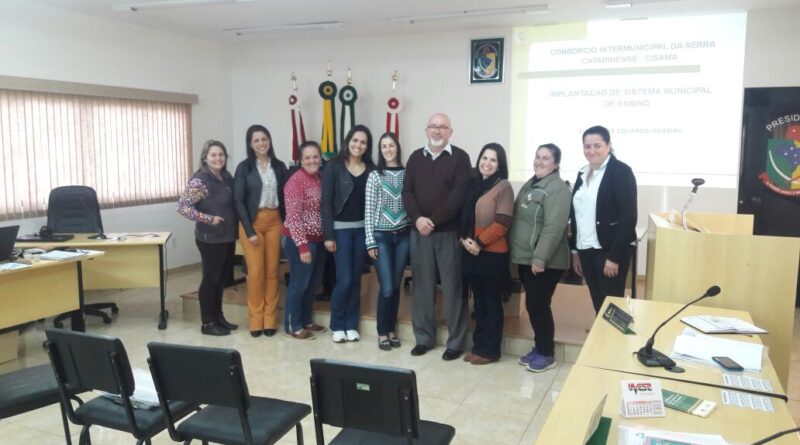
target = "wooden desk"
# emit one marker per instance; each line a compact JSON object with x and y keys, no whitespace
{"x":136,"y":262}
{"x":607,"y":348}
{"x":585,"y":386}
{"x":757,"y":274}
{"x":45,"y":289}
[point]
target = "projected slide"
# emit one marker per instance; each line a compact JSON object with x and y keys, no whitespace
{"x":670,"y":91}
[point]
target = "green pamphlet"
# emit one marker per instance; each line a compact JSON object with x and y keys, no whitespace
{"x":687,"y":404}
{"x":601,"y":433}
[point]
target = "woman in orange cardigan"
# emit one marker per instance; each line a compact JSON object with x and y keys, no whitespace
{"x":485,"y":221}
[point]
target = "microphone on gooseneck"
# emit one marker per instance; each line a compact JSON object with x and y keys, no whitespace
{"x":696,"y":182}
{"x":653,"y":358}
{"x":775,"y":436}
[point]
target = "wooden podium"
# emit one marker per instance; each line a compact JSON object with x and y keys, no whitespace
{"x":757,"y":274}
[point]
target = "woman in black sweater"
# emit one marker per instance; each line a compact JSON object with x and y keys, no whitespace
{"x":208,"y":201}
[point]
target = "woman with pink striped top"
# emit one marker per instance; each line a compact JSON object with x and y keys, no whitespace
{"x":302,"y":243}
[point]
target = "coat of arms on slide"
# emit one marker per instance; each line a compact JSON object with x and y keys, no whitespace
{"x":782,"y":174}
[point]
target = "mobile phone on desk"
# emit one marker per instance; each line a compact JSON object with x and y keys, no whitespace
{"x":728,"y":363}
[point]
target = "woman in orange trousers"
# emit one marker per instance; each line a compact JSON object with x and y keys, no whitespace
{"x":258,"y":194}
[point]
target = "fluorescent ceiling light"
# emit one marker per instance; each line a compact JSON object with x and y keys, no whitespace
{"x":532,"y":9}
{"x":164,"y":4}
{"x":611,"y":4}
{"x":291,"y":27}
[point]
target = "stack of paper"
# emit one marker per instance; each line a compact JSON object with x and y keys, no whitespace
{"x":644,"y":436}
{"x":694,"y":346}
{"x":709,"y":324}
{"x":60,"y":255}
{"x":746,"y":382}
{"x":144,"y":395}
{"x":13,"y":266}
{"x":745,"y":400}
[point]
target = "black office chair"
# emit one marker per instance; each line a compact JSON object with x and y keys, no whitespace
{"x":372,"y":404}
{"x":75,"y":209}
{"x":96,"y":362}
{"x":29,"y":389}
{"x":215,"y":377}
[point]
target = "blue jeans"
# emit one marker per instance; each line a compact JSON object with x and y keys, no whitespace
{"x":303,"y":280}
{"x":351,"y":252}
{"x":391,"y":263}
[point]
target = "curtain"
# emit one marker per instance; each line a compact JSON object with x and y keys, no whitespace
{"x":132,"y":152}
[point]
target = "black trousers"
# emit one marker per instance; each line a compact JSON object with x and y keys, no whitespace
{"x":539,"y":289}
{"x":592,"y":262}
{"x":217,"y":260}
{"x":488,"y":334}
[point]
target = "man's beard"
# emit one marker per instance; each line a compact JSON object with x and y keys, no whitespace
{"x":436,"y":142}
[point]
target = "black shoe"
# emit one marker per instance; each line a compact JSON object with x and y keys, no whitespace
{"x":257,"y":333}
{"x":394,"y":342}
{"x":384,"y":345}
{"x":420,"y":350}
{"x":214,"y":329}
{"x":270,"y":332}
{"x":451,"y":354}
{"x":227,"y":324}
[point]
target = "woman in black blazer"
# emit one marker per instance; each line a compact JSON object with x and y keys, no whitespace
{"x":258,"y":195}
{"x":603,"y":218}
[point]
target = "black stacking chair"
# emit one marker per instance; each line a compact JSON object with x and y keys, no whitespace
{"x":29,"y":389}
{"x":75,"y":209}
{"x":215,"y":377}
{"x":96,"y":362}
{"x":372,"y":404}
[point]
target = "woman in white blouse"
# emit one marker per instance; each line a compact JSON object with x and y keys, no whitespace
{"x":603,"y":218}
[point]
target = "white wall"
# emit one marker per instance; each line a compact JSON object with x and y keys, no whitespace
{"x":433,"y":77}
{"x":45,"y":43}
{"x":433,"y":72}
{"x":771,"y":49}
{"x":252,"y":85}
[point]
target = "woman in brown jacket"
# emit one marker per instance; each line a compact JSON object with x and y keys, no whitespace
{"x":485,"y":220}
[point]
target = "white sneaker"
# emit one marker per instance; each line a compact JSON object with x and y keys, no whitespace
{"x":339,"y":337}
{"x":352,"y":335}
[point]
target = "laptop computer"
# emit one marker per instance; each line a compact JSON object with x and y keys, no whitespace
{"x":8,"y":235}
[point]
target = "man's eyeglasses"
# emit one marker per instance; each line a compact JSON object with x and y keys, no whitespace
{"x":437,"y":127}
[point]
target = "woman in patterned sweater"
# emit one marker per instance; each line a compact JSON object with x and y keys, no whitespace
{"x":302,"y":242}
{"x":208,"y":201}
{"x":386,"y":227}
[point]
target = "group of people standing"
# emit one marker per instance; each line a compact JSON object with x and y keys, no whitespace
{"x":461,"y":226}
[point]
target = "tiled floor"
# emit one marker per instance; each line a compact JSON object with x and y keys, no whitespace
{"x":501,"y":403}
{"x":497,"y":404}
{"x":571,"y":305}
